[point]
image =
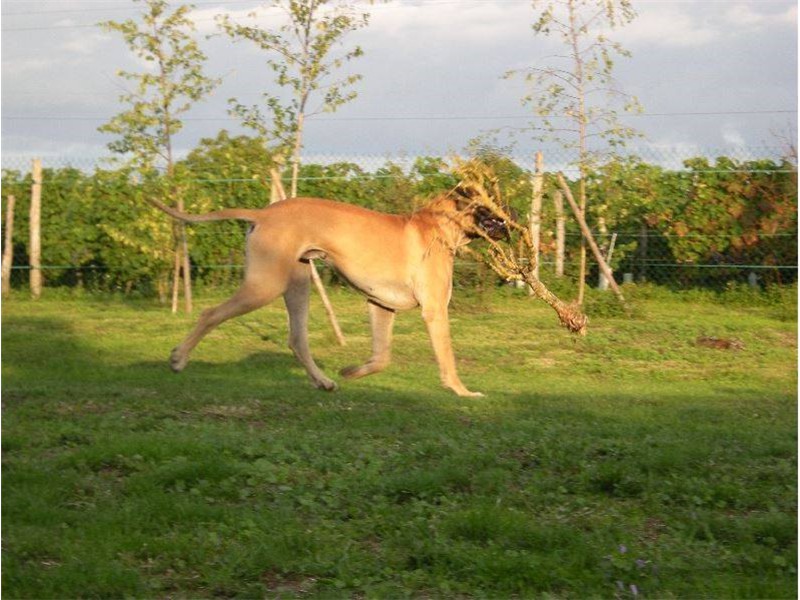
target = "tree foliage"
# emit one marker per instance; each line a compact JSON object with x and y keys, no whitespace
{"x":171,"y":83}
{"x":574,"y":94}
{"x":306,"y":56}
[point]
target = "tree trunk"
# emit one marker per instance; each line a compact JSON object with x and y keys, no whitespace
{"x":581,"y":118}
{"x":187,"y":272}
{"x":602,"y":282}
{"x":536,"y":214}
{"x":587,"y":234}
{"x":298,"y":142}
{"x":35,"y":230}
{"x":176,"y":274}
{"x":643,"y":252}
{"x":558,"y":201}
{"x":8,"y":249}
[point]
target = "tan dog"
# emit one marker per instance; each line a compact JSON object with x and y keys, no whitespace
{"x":397,"y":262}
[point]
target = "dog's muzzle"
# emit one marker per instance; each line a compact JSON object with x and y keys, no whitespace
{"x":494,"y":227}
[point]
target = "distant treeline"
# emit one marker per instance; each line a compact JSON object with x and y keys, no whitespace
{"x":98,"y":231}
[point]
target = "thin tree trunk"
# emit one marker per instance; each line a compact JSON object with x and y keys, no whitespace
{"x":8,"y":249}
{"x":558,"y":201}
{"x":184,"y":263}
{"x":35,"y":230}
{"x":643,"y":252}
{"x":583,"y":153}
{"x":587,"y":234}
{"x":277,"y":193}
{"x":176,"y":277}
{"x":536,"y":215}
{"x":187,"y":272}
{"x":298,"y":143}
{"x":602,"y":282}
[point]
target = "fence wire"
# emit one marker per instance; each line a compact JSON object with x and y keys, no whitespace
{"x":711,"y":218}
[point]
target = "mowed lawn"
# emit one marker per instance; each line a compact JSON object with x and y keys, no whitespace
{"x":632,"y":462}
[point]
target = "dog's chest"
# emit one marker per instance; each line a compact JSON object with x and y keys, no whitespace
{"x":390,"y":295}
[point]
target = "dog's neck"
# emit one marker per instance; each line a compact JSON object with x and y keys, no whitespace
{"x":446,"y":220}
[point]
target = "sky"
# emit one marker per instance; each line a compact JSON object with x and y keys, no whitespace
{"x":712,"y":76}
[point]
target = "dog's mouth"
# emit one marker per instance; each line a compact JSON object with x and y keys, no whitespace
{"x":497,"y":229}
{"x":492,"y":225}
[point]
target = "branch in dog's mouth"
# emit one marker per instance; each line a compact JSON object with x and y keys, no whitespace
{"x":486,"y":217}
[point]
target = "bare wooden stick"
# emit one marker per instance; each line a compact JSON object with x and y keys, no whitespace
{"x":8,"y":249}
{"x":327,"y":304}
{"x":176,"y":274}
{"x":536,"y":214}
{"x":35,"y":230}
{"x":558,"y":201}
{"x":587,"y":234}
{"x":278,"y":194}
{"x":187,"y":271}
{"x":602,"y":283}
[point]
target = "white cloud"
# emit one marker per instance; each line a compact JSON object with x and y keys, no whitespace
{"x":205,"y":19}
{"x":25,"y":66}
{"x":732,"y":136}
{"x":669,"y":25}
{"x":695,"y":24}
{"x":86,"y":43}
{"x":744,"y":17}
{"x":482,"y":22}
{"x":464,"y":22}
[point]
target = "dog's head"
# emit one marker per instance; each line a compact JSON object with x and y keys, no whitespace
{"x":491,"y":224}
{"x":484,"y":219}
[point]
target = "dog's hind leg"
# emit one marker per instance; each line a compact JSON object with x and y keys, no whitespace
{"x":296,"y":299}
{"x":381,"y":320}
{"x":252,"y":295}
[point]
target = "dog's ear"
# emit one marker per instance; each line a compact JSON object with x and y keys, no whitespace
{"x":463,"y":196}
{"x":465,"y":192}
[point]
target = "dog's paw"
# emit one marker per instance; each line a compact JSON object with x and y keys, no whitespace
{"x":177,"y":361}
{"x":465,"y":393}
{"x":351,"y":372}
{"x":326,"y":384}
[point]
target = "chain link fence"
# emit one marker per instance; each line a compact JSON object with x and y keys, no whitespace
{"x":681,"y":218}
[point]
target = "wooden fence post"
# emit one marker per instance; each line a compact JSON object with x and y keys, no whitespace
{"x":278,"y":193}
{"x":8,"y":249}
{"x":35,"y":252}
{"x":602,"y":283}
{"x":536,"y":214}
{"x":587,"y":234}
{"x":558,"y":201}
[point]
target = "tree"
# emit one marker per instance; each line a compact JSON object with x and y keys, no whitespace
{"x":302,"y":54}
{"x":161,"y":94}
{"x":579,"y":87}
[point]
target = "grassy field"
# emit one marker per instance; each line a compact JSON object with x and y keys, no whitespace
{"x":629,"y":463}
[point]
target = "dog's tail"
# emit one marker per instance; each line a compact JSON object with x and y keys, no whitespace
{"x":243,"y":214}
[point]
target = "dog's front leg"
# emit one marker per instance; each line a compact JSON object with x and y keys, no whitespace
{"x":381,"y":320}
{"x":438,"y":324}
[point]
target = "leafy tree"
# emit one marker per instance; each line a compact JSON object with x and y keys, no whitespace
{"x":576,"y":97}
{"x":303,"y":55}
{"x":161,"y":94}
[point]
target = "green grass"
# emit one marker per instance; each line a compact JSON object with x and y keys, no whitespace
{"x":631,"y":457}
